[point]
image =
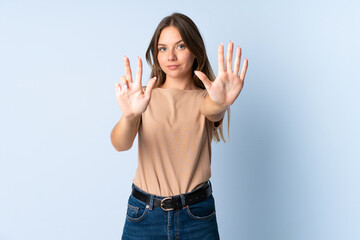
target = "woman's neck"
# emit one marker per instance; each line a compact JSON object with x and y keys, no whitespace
{"x":184,"y":84}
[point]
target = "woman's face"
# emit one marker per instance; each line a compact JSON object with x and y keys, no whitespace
{"x":174,"y":57}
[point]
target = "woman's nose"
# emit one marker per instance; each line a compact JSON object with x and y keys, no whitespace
{"x":171,"y":55}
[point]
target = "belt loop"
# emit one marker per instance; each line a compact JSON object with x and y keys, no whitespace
{"x":151,"y":201}
{"x":182,"y":197}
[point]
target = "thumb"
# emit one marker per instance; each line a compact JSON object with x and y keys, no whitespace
{"x":149,"y":87}
{"x":207,"y":83}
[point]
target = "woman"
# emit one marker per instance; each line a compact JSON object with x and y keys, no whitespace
{"x":176,"y":117}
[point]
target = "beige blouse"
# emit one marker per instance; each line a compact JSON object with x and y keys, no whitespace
{"x":174,"y":143}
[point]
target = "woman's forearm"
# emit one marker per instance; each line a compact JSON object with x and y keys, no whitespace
{"x":211,"y":110}
{"x":124,"y":133}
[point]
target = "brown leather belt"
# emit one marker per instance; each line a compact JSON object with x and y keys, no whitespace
{"x":174,"y":202}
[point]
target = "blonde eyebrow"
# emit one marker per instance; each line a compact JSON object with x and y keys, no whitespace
{"x":175,"y":43}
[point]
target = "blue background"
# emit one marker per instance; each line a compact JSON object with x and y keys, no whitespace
{"x":292,"y":165}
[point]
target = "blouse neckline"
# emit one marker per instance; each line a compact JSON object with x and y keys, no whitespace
{"x":181,"y":90}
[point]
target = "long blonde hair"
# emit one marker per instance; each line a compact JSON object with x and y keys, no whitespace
{"x":194,"y":42}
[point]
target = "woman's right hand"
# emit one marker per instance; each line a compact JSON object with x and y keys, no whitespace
{"x":130,"y":95}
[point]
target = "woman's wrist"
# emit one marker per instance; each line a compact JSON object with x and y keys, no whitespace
{"x":131,"y":117}
{"x":212,"y":110}
{"x":216,"y":106}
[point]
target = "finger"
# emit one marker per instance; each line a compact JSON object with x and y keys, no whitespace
{"x":127,"y":69}
{"x":207,"y":83}
{"x":138,"y":72}
{"x":237,"y":61}
{"x":244,"y":69}
{"x":117,"y":87}
{"x":149,"y":87}
{"x":221,"y":58}
{"x":229,"y":57}
{"x":124,"y":83}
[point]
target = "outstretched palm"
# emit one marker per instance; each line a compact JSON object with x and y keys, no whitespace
{"x":228,"y":84}
{"x":130,"y":95}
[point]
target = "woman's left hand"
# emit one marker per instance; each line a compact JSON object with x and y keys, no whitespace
{"x":227,"y":86}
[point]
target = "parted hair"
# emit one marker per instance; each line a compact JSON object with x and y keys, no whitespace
{"x":194,"y":42}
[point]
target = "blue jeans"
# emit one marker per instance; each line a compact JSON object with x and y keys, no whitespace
{"x":144,"y":221}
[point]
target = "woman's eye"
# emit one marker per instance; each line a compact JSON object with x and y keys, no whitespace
{"x":181,"y":46}
{"x":162,"y":49}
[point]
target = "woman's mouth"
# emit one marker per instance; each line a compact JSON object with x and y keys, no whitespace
{"x":172,"y":67}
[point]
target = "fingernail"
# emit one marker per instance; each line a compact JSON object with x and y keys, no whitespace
{"x":118,"y":88}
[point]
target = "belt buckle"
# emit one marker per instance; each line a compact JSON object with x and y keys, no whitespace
{"x":162,"y":202}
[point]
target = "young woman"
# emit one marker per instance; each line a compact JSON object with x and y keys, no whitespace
{"x":176,"y":117}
